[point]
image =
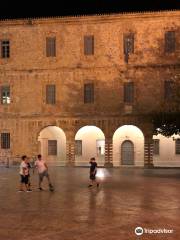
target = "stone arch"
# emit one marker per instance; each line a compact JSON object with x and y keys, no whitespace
{"x":52,"y":145}
{"x":89,"y":142}
{"x":133,"y":134}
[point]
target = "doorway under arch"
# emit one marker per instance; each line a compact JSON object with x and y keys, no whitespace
{"x":126,"y":134}
{"x":127,"y":153}
{"x":52,"y":145}
{"x":89,"y":142}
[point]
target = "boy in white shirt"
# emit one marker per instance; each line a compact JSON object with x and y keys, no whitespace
{"x":24,"y":174}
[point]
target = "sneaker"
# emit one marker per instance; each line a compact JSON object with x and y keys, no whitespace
{"x":29,"y":190}
{"x":51,"y":188}
{"x":90,"y":185}
{"x":20,"y":190}
{"x":41,"y":189}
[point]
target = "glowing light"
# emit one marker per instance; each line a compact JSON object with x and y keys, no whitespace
{"x":102,"y":173}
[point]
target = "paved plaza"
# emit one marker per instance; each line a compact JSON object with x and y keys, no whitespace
{"x":126,"y":199}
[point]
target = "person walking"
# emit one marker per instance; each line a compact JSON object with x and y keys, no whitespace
{"x":29,"y":168}
{"x":24,"y":175}
{"x":93,"y":171}
{"x":42,"y":169}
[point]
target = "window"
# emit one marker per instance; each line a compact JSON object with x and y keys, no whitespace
{"x":88,"y":93}
{"x":100,"y":146}
{"x":128,"y":45}
{"x":51,"y":47}
{"x":52,"y":147}
{"x":156,"y":146}
{"x":89,"y":45}
{"x":168,"y":90}
{"x":50,"y":94}
{"x":5,"y":140}
{"x":170,"y":42}
{"x":128,"y":92}
{"x":78,"y":147}
{"x":177,"y":146}
{"x":5,"y":49}
{"x":5,"y":95}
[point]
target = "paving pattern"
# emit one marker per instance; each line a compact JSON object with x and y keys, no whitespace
{"x":127,"y":198}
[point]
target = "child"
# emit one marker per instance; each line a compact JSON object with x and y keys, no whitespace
{"x":24,"y":174}
{"x":29,"y":167}
{"x":93,"y":171}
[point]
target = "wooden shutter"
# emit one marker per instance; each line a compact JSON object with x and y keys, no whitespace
{"x":5,"y":140}
{"x":88,"y":93}
{"x":50,"y":94}
{"x":170,"y":42}
{"x":89,"y":45}
{"x":5,"y":48}
{"x":51,"y":47}
{"x":78,"y":147}
{"x":129,"y":43}
{"x":52,"y":147}
{"x":128,"y":92}
{"x":177,"y":146}
{"x":156,"y":146}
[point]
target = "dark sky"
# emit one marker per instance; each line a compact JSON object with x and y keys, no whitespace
{"x":40,"y":8}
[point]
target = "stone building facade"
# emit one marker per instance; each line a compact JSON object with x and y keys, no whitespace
{"x":103,"y":71}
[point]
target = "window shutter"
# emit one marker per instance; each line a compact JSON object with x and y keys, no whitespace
{"x":177,"y":146}
{"x":88,"y":45}
{"x":5,"y":48}
{"x":128,"y":92}
{"x":50,"y":94}
{"x":89,"y":93}
{"x":78,"y":147}
{"x":51,"y":47}
{"x":52,"y":147}
{"x":170,"y":42}
{"x":129,"y":43}
{"x":5,"y":140}
{"x":156,"y":146}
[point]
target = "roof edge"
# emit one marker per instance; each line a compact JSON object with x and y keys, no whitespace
{"x":128,"y":13}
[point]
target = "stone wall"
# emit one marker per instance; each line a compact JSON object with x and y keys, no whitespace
{"x":28,"y":71}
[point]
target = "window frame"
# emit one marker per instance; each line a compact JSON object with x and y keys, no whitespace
{"x":5,"y":48}
{"x":78,"y":150}
{"x":156,"y":147}
{"x":88,"y":99}
{"x":89,"y":45}
{"x":52,"y":149}
{"x":177,"y":146}
{"x":5,"y":140}
{"x":5,"y":100}
{"x":170,"y":42}
{"x":50,"y":46}
{"x":50,"y":94}
{"x":129,"y":94}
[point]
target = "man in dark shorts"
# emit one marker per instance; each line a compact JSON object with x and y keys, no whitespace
{"x":24,"y":175}
{"x":93,"y":171}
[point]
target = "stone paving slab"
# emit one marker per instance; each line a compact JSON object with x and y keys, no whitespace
{"x":127,"y":198}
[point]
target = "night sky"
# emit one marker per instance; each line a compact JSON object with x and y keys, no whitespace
{"x":39,"y":8}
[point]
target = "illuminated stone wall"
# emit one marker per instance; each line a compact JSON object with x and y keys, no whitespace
{"x":28,"y":71}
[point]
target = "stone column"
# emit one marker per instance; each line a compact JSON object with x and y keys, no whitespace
{"x":70,"y":153}
{"x":148,"y":151}
{"x":108,"y":152}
